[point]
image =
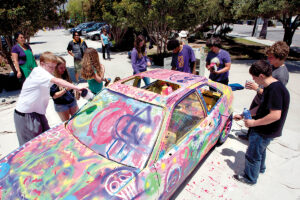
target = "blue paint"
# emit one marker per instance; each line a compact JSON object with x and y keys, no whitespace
{"x":4,"y":169}
{"x":71,"y":197}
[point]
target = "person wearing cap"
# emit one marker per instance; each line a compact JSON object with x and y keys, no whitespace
{"x":183,"y":58}
{"x":221,"y":72}
{"x":183,"y":37}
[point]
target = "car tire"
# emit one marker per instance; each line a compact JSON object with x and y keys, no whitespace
{"x":226,"y":130}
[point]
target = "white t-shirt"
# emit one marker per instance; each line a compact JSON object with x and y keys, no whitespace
{"x":35,"y":92}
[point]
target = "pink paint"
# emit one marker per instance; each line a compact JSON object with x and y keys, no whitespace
{"x":25,"y":180}
{"x":206,"y":191}
{"x":37,"y":180}
{"x":36,"y":191}
{"x":225,"y":188}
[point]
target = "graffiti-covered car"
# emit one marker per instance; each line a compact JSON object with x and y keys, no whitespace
{"x":128,"y":142}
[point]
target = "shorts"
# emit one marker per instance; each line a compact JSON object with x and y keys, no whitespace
{"x":64,"y":107}
{"x":77,"y":66}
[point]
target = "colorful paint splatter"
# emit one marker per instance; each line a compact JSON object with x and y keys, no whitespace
{"x":127,"y":143}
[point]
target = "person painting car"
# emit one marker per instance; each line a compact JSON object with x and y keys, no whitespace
{"x":277,"y":54}
{"x":29,"y":115}
{"x":267,"y":122}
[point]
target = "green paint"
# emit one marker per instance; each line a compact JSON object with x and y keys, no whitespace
{"x":151,"y":183}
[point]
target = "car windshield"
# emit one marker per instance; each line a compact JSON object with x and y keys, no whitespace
{"x":117,"y":127}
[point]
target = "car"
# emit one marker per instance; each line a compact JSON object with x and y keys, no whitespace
{"x":94,"y":35}
{"x":95,"y":27}
{"x":128,"y":142}
{"x":77,"y":27}
{"x":82,"y":27}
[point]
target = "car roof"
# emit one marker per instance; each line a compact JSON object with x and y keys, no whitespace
{"x":184,"y":81}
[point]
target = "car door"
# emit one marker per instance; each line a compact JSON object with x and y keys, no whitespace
{"x":180,"y":151}
{"x":211,"y":100}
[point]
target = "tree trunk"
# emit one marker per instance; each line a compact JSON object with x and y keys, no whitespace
{"x":254,"y":28}
{"x":264,"y":29}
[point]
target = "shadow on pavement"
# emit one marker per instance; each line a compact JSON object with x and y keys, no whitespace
{"x":239,"y":159}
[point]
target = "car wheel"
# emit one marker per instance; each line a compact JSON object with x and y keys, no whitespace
{"x":226,"y":130}
{"x":96,"y":37}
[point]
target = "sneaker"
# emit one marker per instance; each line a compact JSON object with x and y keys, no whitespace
{"x":243,"y":179}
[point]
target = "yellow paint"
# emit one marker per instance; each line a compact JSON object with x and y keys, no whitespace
{"x":174,"y":160}
{"x":147,"y":130}
{"x":147,"y":185}
{"x":163,"y":166}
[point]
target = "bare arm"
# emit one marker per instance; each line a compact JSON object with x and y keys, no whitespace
{"x":98,"y":78}
{"x":71,"y":53}
{"x":193,"y":70}
{"x":273,"y":116}
{"x":225,"y":69}
{"x":65,"y":84}
{"x":16,"y":63}
{"x":59,"y":93}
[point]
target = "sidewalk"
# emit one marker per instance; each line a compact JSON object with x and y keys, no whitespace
{"x":260,"y":41}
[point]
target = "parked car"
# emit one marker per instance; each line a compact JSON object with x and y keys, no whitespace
{"x":83,"y":26}
{"x":94,"y":35}
{"x":128,"y":142}
{"x":77,"y":27}
{"x":95,"y":27}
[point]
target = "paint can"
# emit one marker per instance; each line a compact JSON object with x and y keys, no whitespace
{"x":87,"y":94}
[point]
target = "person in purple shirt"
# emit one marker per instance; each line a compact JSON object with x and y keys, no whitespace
{"x":183,"y":58}
{"x":221,"y":72}
{"x":22,"y":56}
{"x":139,"y":59}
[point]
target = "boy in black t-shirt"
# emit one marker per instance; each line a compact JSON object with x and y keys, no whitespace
{"x":267,"y":123}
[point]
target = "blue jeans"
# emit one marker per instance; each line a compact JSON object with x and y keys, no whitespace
{"x":256,"y":156}
{"x":145,"y":79}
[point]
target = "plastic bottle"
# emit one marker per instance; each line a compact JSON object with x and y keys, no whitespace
{"x":247,"y":114}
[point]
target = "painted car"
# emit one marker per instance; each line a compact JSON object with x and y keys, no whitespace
{"x":128,"y":142}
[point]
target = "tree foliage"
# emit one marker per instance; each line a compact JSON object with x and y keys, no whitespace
{"x":282,"y":10}
{"x":28,"y":16}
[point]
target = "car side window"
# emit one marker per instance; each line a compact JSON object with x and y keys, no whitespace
{"x":186,"y":114}
{"x":210,"y":96}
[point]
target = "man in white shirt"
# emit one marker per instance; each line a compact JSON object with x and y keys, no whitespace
{"x":29,"y":116}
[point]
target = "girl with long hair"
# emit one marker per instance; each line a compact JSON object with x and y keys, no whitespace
{"x":93,"y":71}
{"x":65,"y":103}
{"x":139,"y":58}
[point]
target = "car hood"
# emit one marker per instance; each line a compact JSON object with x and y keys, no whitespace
{"x":55,"y":165}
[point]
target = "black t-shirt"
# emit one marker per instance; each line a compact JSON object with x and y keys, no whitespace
{"x":67,"y":98}
{"x":275,"y":97}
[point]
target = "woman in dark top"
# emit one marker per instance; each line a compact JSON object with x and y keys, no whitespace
{"x":22,"y":56}
{"x":65,"y":103}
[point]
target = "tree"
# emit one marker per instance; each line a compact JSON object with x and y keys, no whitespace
{"x":27,"y":16}
{"x":79,"y":10}
{"x":282,"y":10}
{"x":160,"y":17}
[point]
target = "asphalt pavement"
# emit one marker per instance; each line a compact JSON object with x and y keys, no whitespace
{"x":212,"y":179}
